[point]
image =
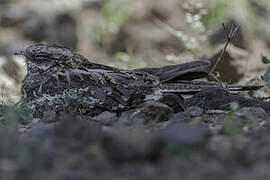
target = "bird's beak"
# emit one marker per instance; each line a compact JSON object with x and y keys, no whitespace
{"x":20,"y":52}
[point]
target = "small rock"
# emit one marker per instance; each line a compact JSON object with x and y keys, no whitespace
{"x":257,"y":112}
{"x":40,"y":131}
{"x":126,"y":145}
{"x":131,"y":117}
{"x":156,"y":111}
{"x":230,"y":148}
{"x":187,"y":116}
{"x":182,"y":134}
{"x":149,"y":112}
{"x":179,"y":117}
{"x":106,"y":118}
{"x":76,"y":133}
{"x":221,"y":99}
{"x":194,"y":111}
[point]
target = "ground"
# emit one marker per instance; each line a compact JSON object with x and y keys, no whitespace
{"x":220,"y":135}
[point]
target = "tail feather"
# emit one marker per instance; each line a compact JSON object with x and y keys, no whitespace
{"x":191,"y":87}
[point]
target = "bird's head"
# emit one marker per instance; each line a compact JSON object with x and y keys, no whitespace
{"x":41,"y":57}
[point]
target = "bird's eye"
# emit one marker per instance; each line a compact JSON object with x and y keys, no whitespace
{"x":40,"y":58}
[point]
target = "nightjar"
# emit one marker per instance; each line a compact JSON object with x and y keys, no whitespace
{"x":59,"y":79}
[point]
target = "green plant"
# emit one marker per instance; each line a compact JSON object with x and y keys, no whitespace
{"x":14,"y":115}
{"x":224,"y":10}
{"x":233,"y":124}
{"x":115,"y":14}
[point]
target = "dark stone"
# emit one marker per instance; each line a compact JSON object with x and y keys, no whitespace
{"x":76,"y":133}
{"x":182,"y":134}
{"x":186,"y":116}
{"x":76,"y":175}
{"x":40,"y":131}
{"x":106,"y":118}
{"x":24,"y":158}
{"x":221,"y":99}
{"x":129,"y":118}
{"x":149,"y":112}
{"x":156,"y":111}
{"x":194,"y":111}
{"x":134,"y":145}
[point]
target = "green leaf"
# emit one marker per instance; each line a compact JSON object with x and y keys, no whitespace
{"x":265,"y":60}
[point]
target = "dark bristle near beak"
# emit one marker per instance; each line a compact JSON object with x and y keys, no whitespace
{"x":20,"y":52}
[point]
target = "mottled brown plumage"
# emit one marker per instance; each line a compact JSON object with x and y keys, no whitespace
{"x":60,"y":79}
{"x":53,"y":70}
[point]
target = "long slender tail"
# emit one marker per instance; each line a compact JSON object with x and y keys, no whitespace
{"x":191,"y":87}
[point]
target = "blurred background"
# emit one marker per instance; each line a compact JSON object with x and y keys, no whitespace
{"x":132,"y":34}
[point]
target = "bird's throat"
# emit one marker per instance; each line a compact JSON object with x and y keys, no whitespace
{"x":35,"y":68}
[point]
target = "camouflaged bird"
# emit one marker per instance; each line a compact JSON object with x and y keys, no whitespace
{"x":61,"y":80}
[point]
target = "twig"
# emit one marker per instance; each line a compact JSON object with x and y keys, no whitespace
{"x":229,"y":36}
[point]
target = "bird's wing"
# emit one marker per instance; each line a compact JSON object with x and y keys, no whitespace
{"x":186,"y":71}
